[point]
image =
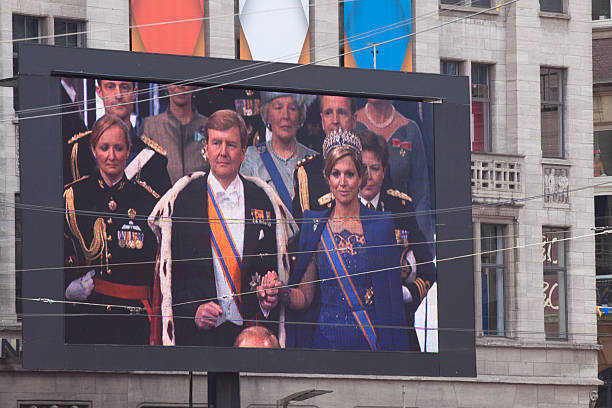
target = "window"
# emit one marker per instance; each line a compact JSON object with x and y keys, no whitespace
{"x":602,"y":153}
{"x":551,"y":96}
{"x":450,"y":67}
{"x":554,"y":252}
{"x":481,"y":108}
{"x":27,"y":29}
{"x":553,"y":6}
{"x":70,"y":32}
{"x":468,"y":3}
{"x":601,"y":9}
{"x":492,"y":278}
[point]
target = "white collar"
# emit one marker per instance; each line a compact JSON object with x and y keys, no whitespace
{"x":216,"y":186}
{"x":374,"y":201}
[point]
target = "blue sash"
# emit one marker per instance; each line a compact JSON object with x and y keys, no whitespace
{"x":346,"y":284}
{"x":224,"y":247}
{"x":281,"y":188}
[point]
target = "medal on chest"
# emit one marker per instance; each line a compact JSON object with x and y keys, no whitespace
{"x":130,"y":235}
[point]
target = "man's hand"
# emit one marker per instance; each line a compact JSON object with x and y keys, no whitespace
{"x":207,"y":315}
{"x":267,"y":292}
{"x":80,"y":288}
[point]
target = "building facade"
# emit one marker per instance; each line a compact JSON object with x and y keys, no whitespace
{"x":530,"y":68}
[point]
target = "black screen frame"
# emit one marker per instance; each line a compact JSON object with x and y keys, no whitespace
{"x":41,"y":185}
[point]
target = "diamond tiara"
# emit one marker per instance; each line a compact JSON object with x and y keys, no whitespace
{"x":339,"y":138}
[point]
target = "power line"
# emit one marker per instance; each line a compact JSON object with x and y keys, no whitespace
{"x":238,"y":81}
{"x":435,"y":261}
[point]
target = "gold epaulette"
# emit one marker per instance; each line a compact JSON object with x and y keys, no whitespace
{"x":399,"y":194}
{"x":148,"y":188}
{"x":307,"y":159}
{"x":78,"y":136}
{"x":75,"y":181}
{"x":325,"y":199}
{"x":153,"y":145}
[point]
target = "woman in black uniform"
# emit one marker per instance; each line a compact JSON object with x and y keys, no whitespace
{"x":109,"y":248}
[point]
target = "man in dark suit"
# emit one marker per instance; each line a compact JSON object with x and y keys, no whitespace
{"x":311,"y":191}
{"x":223,"y":272}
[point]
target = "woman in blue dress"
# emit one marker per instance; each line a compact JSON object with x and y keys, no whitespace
{"x":347,"y":281}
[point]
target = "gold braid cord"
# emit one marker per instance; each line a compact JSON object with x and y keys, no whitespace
{"x":98,"y":241}
{"x":303,"y":182}
{"x":74,"y":162}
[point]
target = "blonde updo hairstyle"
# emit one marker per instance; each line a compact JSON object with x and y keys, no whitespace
{"x":340,"y":152}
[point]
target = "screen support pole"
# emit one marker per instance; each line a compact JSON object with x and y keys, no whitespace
{"x":223,"y":390}
{"x":191,"y":389}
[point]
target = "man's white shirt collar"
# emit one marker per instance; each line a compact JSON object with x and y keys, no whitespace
{"x":233,"y":192}
{"x":374,"y":201}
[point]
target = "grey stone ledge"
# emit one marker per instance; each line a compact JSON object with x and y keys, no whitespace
{"x":558,"y":16}
{"x":468,"y":9}
{"x":556,"y":162}
{"x":497,"y":379}
{"x":549,"y":345}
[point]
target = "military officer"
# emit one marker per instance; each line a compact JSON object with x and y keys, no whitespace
{"x":147,"y":160}
{"x":418,"y":272}
{"x":109,"y":248}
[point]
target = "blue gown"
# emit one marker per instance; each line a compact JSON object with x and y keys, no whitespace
{"x":387,"y":308}
{"x":342,"y":333}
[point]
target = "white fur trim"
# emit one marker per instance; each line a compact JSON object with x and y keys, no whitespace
{"x":286,"y":229}
{"x":160,"y":222}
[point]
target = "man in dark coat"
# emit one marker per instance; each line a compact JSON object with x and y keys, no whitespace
{"x":218,"y":277}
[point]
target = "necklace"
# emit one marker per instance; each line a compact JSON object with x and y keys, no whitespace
{"x":383,"y":124}
{"x":293,"y":153}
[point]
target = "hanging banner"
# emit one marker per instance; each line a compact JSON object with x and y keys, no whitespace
{"x":274,"y":30}
{"x":167,"y":27}
{"x":367,"y":23}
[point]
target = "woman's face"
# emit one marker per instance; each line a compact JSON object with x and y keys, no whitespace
{"x":344,"y":181}
{"x":284,"y":118}
{"x":376,"y":174}
{"x":111,"y":152}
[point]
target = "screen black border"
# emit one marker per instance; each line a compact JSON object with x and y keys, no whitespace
{"x":41,"y":185}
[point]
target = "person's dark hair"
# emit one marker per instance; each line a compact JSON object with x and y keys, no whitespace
{"x":376,"y":144}
{"x":353,"y":102}
{"x":103,"y":124}
{"x":225,"y":119}
{"x":338,"y":153}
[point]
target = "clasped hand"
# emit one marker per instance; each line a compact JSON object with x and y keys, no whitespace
{"x":267,"y":291}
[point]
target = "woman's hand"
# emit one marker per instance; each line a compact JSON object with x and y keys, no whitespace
{"x":80,"y":288}
{"x":267,"y":292}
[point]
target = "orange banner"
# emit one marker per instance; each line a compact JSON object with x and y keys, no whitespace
{"x":168,"y":27}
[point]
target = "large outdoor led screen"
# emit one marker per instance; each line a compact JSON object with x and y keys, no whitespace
{"x":208,"y":222}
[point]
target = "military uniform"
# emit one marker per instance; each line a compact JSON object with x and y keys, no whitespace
{"x":115,"y":232}
{"x":410,"y":238}
{"x":311,"y":191}
{"x":147,"y":161}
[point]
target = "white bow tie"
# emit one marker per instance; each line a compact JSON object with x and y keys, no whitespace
{"x":231,"y":196}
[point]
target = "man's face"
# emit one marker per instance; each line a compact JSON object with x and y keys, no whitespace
{"x":180,"y":95}
{"x":336,"y":113}
{"x":225,"y":153}
{"x":375,"y":174}
{"x":118,"y":98}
